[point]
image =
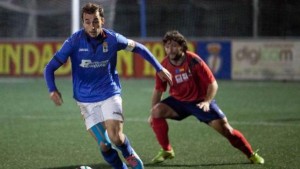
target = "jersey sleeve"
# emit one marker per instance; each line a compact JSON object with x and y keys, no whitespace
{"x":204,"y":72}
{"x":122,"y":41}
{"x":49,"y":70}
{"x":133,"y":46}
{"x":59,"y":58}
{"x":159,"y":84}
{"x":65,"y":51}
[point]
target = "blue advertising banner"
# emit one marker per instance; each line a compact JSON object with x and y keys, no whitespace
{"x":217,"y":55}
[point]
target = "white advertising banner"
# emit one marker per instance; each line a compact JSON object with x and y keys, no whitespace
{"x":267,"y":59}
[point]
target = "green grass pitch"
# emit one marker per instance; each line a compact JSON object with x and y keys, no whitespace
{"x":35,"y":134}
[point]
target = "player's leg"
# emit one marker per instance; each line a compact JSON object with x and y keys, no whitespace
{"x":113,"y":117}
{"x":159,"y":113}
{"x":235,"y":137}
{"x":109,"y":154}
{"x":93,"y":117}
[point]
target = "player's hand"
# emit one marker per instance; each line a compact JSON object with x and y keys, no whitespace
{"x":165,"y":75}
{"x":55,"y":96}
{"x":204,"y":106}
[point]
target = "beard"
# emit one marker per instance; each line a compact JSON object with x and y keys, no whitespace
{"x":176,"y":57}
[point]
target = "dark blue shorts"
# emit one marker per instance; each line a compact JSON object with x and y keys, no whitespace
{"x":185,"y":109}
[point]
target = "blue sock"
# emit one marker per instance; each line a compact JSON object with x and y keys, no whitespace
{"x":125,"y":148}
{"x":112,"y":157}
{"x":99,"y":132}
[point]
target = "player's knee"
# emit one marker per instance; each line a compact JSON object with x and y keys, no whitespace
{"x":156,"y":111}
{"x":115,"y":138}
{"x":227,"y":131}
{"x":222,"y":127}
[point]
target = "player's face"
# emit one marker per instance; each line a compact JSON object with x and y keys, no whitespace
{"x":173,"y":50}
{"x":92,"y":24}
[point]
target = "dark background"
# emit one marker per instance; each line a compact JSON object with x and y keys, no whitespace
{"x":194,"y":18}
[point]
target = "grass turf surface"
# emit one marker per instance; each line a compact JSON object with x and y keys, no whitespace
{"x":35,"y":134}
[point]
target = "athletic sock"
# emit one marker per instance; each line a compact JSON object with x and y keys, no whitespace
{"x":111,"y":156}
{"x":238,"y":141}
{"x":125,"y":148}
{"x":161,"y":128}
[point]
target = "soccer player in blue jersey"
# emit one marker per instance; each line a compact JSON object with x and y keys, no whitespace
{"x":96,"y":87}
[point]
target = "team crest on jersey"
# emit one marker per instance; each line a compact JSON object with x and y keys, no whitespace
{"x":105,"y":47}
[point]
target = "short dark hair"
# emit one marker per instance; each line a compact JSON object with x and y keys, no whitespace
{"x":91,"y":8}
{"x":174,"y":35}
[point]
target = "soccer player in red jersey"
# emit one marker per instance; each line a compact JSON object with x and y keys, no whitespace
{"x":192,"y":93}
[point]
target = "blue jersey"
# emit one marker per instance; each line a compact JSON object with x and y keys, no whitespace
{"x":94,"y":73}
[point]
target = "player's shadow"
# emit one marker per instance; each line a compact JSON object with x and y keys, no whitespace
{"x":93,"y":166}
{"x":163,"y":165}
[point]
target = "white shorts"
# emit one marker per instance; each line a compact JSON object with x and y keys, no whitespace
{"x":109,"y":109}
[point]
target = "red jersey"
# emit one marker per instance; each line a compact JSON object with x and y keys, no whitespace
{"x":190,"y":79}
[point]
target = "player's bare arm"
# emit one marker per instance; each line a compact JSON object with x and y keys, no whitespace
{"x":156,"y":98}
{"x":165,"y":75}
{"x":55,"y":96}
{"x":211,"y":92}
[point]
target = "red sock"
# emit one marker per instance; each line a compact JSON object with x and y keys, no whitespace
{"x":238,"y":141}
{"x":161,"y":128}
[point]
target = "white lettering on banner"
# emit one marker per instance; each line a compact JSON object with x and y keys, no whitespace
{"x":278,"y":60}
{"x":254,"y":55}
